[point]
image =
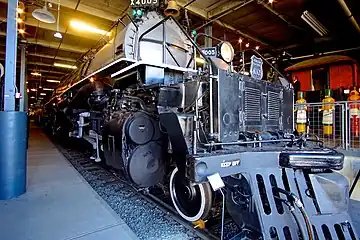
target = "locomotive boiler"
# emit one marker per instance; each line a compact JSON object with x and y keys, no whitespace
{"x":150,"y":112}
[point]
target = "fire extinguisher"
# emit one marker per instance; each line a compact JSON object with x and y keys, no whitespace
{"x":301,"y":109}
{"x":354,"y":112}
{"x":328,"y":113}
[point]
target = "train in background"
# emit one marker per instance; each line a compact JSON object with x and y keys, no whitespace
{"x":336,"y":72}
{"x":202,"y":134}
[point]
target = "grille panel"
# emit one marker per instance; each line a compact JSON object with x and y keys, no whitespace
{"x":274,"y":102}
{"x":252,"y":104}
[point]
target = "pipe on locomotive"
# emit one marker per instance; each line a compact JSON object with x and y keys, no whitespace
{"x":297,"y":202}
{"x":210,"y":86}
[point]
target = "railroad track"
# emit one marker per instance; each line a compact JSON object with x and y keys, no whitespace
{"x":132,"y":204}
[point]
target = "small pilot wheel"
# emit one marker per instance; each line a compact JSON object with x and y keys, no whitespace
{"x":191,"y":202}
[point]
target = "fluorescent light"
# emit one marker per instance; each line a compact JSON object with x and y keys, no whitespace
{"x":62,"y":65}
{"x":41,"y":98}
{"x":33,"y":90}
{"x":32,"y":97}
{"x":36,"y":74}
{"x":48,"y":89}
{"x":54,"y":81}
{"x":314,"y":23}
{"x":85,"y":27}
{"x":346,"y":91}
{"x":43,"y":94}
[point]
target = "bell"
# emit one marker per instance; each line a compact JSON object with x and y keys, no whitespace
{"x":172,"y":9}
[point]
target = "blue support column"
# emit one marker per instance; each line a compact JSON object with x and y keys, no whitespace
{"x":11,"y":56}
{"x":13,"y":125}
{"x":23,"y":92}
{"x":13,"y":149}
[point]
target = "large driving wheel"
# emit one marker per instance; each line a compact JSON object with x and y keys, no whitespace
{"x":191,"y":202}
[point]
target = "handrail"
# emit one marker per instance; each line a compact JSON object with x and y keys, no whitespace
{"x":206,"y":35}
{"x":180,"y":27}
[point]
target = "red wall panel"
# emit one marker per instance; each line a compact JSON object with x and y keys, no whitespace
{"x":341,"y":76}
{"x":304,"y":78}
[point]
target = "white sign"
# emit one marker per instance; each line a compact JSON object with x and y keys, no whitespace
{"x":256,"y":68}
{"x":215,"y":181}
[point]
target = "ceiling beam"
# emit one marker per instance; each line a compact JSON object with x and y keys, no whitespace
{"x":30,"y":21}
{"x":55,"y":45}
{"x":111,"y":16}
{"x":31,"y":78}
{"x":314,"y":41}
{"x":45,"y":65}
{"x":203,"y":14}
{"x":227,"y":7}
{"x":52,"y":57}
{"x":46,"y":56}
{"x":108,"y":15}
{"x":45,"y":71}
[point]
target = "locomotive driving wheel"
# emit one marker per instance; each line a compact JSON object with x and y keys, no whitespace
{"x":191,"y":202}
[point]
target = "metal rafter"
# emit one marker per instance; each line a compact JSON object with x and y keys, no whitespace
{"x":203,"y":14}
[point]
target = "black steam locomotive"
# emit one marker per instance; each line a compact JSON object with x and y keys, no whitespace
{"x":152,"y":113}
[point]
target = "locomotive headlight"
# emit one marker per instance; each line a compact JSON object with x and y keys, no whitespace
{"x":226,"y":51}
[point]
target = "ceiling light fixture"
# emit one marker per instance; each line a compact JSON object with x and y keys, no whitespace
{"x":62,"y":65}
{"x":48,"y":89}
{"x":53,"y":81}
{"x":257,"y":47}
{"x":20,"y":10}
{"x":43,"y":94}
{"x":81,"y":26}
{"x":33,"y":90}
{"x":247,"y":45}
{"x":21,"y":31}
{"x":19,"y":20}
{"x":43,"y":15}
{"x":314,"y":23}
{"x":58,"y":34}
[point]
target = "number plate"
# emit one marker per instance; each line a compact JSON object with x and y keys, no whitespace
{"x":144,"y":3}
{"x":209,"y":52}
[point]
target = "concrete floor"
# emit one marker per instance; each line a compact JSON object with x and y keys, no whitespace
{"x":58,"y":204}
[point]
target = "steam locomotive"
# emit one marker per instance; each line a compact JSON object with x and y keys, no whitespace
{"x":150,"y":113}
